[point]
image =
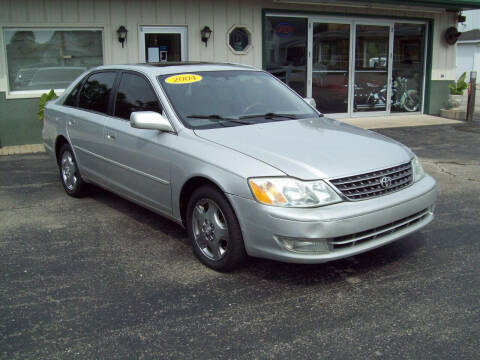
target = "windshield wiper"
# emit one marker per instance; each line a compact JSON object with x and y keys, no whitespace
{"x":269,"y":115}
{"x":220,"y":119}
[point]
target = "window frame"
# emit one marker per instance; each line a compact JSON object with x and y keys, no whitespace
{"x":117,"y":86}
{"x":25,"y":94}
{"x":250,"y":39}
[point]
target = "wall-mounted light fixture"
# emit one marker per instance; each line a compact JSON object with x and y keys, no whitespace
{"x":122,"y":34}
{"x":206,"y":32}
{"x":452,"y":35}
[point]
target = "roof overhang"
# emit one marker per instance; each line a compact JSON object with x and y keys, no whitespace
{"x":426,"y":5}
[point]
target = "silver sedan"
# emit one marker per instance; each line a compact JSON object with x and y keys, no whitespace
{"x":239,"y":159}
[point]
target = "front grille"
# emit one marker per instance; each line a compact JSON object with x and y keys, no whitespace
{"x":366,"y":186}
{"x":371,"y":234}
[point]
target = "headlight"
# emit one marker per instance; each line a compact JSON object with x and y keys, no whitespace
{"x":417,"y":170}
{"x":290,"y":192}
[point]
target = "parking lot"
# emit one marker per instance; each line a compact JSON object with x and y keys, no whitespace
{"x":101,"y":277}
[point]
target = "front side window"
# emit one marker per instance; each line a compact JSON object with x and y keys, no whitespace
{"x":42,"y":59}
{"x":135,"y":94}
{"x":209,"y":99}
{"x":95,"y":93}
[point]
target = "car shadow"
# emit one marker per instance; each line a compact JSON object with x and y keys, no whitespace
{"x":349,"y":269}
{"x":140,"y":214}
{"x":274,"y":271}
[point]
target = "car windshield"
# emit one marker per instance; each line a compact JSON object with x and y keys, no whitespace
{"x":212,"y":99}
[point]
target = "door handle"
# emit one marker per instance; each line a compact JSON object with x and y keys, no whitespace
{"x":110,"y":137}
{"x":71,"y":122}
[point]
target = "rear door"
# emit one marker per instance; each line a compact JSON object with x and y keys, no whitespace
{"x":140,"y":158}
{"x":85,"y":123}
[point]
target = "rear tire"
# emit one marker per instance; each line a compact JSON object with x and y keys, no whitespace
{"x":69,"y":174}
{"x":214,"y":230}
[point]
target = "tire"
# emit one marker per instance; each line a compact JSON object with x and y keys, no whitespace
{"x":214,"y":230}
{"x":69,"y":174}
{"x":411,"y":100}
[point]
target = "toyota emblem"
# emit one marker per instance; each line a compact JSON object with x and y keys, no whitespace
{"x":386,"y":182}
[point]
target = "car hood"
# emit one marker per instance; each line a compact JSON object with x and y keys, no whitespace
{"x":310,"y":149}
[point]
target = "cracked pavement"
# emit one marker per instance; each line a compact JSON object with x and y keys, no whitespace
{"x":101,"y":277}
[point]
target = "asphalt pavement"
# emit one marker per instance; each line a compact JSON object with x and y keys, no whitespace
{"x":102,"y":278}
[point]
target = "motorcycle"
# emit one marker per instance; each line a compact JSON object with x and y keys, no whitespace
{"x":374,"y":96}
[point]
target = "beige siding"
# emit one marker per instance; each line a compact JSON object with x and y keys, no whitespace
{"x":219,"y":15}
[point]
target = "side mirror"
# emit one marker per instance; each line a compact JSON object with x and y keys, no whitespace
{"x":150,"y":120}
{"x":311,"y":102}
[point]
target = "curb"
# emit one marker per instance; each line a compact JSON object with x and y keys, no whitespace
{"x":22,"y":149}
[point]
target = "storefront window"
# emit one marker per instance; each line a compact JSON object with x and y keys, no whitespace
{"x":286,"y":51}
{"x":408,"y":65}
{"x":331,"y":46}
{"x":41,"y":59}
{"x":371,"y":67}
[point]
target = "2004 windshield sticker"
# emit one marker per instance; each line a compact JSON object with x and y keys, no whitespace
{"x":183,"y":79}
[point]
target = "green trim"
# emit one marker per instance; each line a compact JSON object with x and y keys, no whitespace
{"x":18,"y":122}
{"x":447,"y":4}
{"x":264,"y":52}
{"x":339,"y":13}
{"x":428,"y":72}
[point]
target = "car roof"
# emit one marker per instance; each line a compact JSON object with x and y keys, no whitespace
{"x":155,"y":69}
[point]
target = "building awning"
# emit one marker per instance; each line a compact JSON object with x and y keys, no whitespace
{"x":452,"y":5}
{"x":472,"y":36}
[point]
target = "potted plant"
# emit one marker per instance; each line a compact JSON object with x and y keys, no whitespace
{"x":455,"y":99}
{"x":43,"y":101}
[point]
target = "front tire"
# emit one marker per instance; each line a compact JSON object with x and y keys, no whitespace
{"x":69,"y":174}
{"x":411,"y":100}
{"x":214,"y":230}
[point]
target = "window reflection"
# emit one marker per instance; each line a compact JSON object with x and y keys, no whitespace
{"x":408,"y":63}
{"x":371,"y":68}
{"x":331,"y":46}
{"x":46,"y":58}
{"x":286,"y":51}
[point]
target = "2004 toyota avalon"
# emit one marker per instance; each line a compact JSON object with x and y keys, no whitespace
{"x":239,"y":159}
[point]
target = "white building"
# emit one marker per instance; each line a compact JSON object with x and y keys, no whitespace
{"x":342,"y":53}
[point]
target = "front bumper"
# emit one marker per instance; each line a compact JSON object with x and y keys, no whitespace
{"x":370,"y":223}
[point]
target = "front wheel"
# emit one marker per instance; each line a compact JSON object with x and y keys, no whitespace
{"x":214,"y":230}
{"x":411,"y":100}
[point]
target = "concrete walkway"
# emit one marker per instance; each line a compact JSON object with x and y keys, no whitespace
{"x":383,"y":122}
{"x":376,"y":122}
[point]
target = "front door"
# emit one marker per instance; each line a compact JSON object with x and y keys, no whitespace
{"x":163,"y":43}
{"x":140,"y":159}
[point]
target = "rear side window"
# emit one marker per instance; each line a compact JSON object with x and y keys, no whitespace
{"x":71,"y":99}
{"x":95,"y":94}
{"x":135,"y":94}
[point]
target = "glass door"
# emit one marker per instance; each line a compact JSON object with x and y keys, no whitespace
{"x":371,"y":69}
{"x":408,"y":67}
{"x":286,"y":51}
{"x":162,"y":43}
{"x":330,"y":66}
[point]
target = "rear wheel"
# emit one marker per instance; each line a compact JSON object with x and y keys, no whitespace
{"x":214,"y":230}
{"x":69,"y":175}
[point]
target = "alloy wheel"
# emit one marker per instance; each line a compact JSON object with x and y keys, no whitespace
{"x":210,"y":229}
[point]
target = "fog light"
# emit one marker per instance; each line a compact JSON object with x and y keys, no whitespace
{"x":303,"y":245}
